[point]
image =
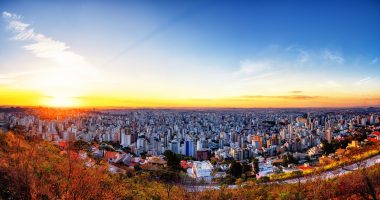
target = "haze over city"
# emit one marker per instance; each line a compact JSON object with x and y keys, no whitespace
{"x":190,"y":54}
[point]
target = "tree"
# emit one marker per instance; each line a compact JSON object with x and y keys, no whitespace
{"x":327,"y":147}
{"x":289,"y":159}
{"x":81,"y":145}
{"x":246,"y":168}
{"x":143,"y":155}
{"x":264,"y":179}
{"x":3,"y":141}
{"x":172,"y":160}
{"x":169,"y":179}
{"x":256,"y":168}
{"x":368,"y":188}
{"x":236,"y":169}
{"x":298,"y":175}
{"x":239,"y":181}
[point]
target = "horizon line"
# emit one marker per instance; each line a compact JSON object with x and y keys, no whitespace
{"x":181,"y":107}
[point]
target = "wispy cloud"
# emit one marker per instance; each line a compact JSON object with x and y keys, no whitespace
{"x":68,"y":74}
{"x":12,"y":78}
{"x":42,"y":46}
{"x":251,"y":67}
{"x":296,"y":91}
{"x":292,"y":97}
{"x":303,"y":56}
{"x":374,"y":61}
{"x":330,"y":84}
{"x":332,"y":56}
{"x":362,"y":81}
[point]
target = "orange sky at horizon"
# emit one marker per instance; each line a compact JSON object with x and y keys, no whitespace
{"x":11,"y":97}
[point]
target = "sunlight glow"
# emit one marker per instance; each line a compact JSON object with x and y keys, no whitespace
{"x":60,"y":101}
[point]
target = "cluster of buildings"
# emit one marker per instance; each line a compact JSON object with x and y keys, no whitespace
{"x":233,"y":134}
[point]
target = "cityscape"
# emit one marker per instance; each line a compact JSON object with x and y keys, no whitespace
{"x":189,"y":99}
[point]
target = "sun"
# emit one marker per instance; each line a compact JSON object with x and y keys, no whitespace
{"x":61,"y":101}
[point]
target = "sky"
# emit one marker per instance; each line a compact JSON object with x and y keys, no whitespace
{"x":196,"y":53}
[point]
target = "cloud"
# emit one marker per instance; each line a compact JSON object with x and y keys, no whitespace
{"x":249,"y":67}
{"x":330,"y":84}
{"x":68,"y":74}
{"x":292,"y":97}
{"x":42,"y":46}
{"x":303,"y":57}
{"x":362,"y":81}
{"x":328,"y":55}
{"x":374,"y":61}
{"x":373,"y":99}
{"x":7,"y":14}
{"x":296,"y":91}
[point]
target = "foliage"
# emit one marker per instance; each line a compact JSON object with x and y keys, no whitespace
{"x":34,"y":169}
{"x":255,"y":165}
{"x":328,"y":148}
{"x":236,"y":169}
{"x":81,"y":145}
{"x":3,"y":142}
{"x":183,"y":157}
{"x":173,"y":161}
{"x":246,"y":167}
{"x":289,"y":159}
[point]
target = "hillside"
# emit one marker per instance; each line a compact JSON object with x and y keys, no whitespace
{"x":35,"y":169}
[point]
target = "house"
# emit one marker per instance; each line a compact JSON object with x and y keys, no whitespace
{"x":185,"y":164}
{"x":203,"y":154}
{"x":202,"y":170}
{"x":314,"y":151}
{"x":112,"y":156}
{"x":265,"y":170}
{"x":304,"y":167}
{"x":374,"y":137}
{"x":126,"y":158}
{"x":156,"y":161}
{"x":113,"y":169}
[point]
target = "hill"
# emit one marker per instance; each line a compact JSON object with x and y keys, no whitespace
{"x":36,"y":169}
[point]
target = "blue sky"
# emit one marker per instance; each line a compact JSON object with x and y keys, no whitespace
{"x":202,"y":49}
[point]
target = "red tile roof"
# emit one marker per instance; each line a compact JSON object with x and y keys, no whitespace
{"x":111,"y":155}
{"x":184,"y":164}
{"x":62,"y":144}
{"x":302,"y":167}
{"x":376,"y":133}
{"x":373,"y":140}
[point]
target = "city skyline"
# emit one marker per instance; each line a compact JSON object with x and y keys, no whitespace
{"x":190,"y":54}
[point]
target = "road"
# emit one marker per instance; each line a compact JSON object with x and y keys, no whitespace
{"x":324,"y":175}
{"x":338,"y":172}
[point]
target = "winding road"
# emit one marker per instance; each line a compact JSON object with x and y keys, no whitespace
{"x":324,"y":175}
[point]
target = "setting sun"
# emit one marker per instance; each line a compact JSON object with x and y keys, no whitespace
{"x":61,"y":101}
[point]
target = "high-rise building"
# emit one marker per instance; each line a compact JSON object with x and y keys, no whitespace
{"x":175,"y":146}
{"x":189,"y":148}
{"x":328,"y":135}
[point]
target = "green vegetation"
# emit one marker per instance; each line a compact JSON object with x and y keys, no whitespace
{"x":289,"y":159}
{"x":173,"y":160}
{"x":255,"y":165}
{"x":236,"y":169}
